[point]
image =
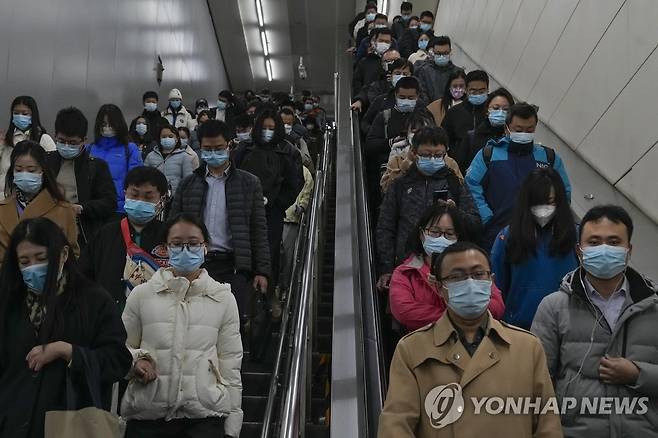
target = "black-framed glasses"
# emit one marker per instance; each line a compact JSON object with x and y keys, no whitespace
{"x":74,"y":143}
{"x":434,"y":232}
{"x":476,"y":275}
{"x":191,"y":246}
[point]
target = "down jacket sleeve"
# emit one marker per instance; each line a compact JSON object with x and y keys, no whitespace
{"x":229,"y":356}
{"x":293,"y":181}
{"x":474,"y":176}
{"x":260,"y":246}
{"x":387,"y":230}
{"x":545,"y":326}
{"x":133,"y":323}
{"x":103,"y":199}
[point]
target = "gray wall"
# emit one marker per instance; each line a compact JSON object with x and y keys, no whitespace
{"x":89,"y":52}
{"x":590,"y":65}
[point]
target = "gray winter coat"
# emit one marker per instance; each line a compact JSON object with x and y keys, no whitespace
{"x":565,"y":322}
{"x":403,"y":205}
{"x":433,"y":79}
{"x":176,"y":166}
{"x":246,"y":215}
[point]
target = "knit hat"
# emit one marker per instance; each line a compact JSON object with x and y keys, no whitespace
{"x":175,"y":94}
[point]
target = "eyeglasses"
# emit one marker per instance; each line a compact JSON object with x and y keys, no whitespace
{"x":477,"y":275}
{"x":436,"y":156}
{"x":192,"y":246}
{"x":70,"y":142}
{"x":450,"y":234}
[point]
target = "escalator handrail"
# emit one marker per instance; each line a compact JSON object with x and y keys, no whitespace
{"x":293,"y":412}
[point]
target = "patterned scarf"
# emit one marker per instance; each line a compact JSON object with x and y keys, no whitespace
{"x":36,"y":309}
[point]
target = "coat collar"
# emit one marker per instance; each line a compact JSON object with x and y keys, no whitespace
{"x":444,"y":329}
{"x":40,"y":206}
{"x":640,"y":287}
{"x":164,"y":281}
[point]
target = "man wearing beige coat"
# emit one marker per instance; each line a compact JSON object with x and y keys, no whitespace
{"x":460,"y":375}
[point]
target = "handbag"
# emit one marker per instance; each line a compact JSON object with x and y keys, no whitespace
{"x":87,"y":422}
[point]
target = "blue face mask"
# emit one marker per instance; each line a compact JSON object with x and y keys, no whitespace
{"x":477,"y":99}
{"x":28,"y":182}
{"x":425,"y":26}
{"x":67,"y":151}
{"x":371,"y":16}
{"x":406,"y":17}
{"x":167,"y":143}
{"x":605,"y":261}
{"x":308,"y":106}
{"x":436,"y":245}
{"x":34,"y":277}
{"x":215,"y":158}
{"x":140,"y":212}
{"x":429,"y":166}
{"x":151,"y":106}
{"x":141,"y":128}
{"x":395,"y":79}
{"x":268,"y":135}
{"x":469,"y":298}
{"x":186,"y":260}
{"x":243,"y":136}
{"x":522,"y":137}
{"x":21,"y":121}
{"x":175,"y":104}
{"x":422,"y":44}
{"x":497,"y":117}
{"x":221,"y":105}
{"x":405,"y":105}
{"x":442,"y":60}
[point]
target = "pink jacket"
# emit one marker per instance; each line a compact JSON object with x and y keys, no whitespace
{"x":416,"y":303}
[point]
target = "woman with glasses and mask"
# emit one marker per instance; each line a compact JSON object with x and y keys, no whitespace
{"x":532,"y":255}
{"x":414,"y":299}
{"x":183,"y":332}
{"x":54,"y":323}
{"x":31,"y":191}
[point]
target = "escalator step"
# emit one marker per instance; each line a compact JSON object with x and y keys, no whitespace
{"x":317,"y":431}
{"x":256,"y":383}
{"x":251,"y":429}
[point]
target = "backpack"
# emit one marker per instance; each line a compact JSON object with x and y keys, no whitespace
{"x":487,"y":153}
{"x":140,"y":265}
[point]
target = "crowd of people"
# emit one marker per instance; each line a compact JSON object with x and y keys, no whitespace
{"x":478,"y":249}
{"x":138,"y":253}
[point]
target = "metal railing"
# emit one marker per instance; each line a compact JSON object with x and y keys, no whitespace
{"x":297,"y":389}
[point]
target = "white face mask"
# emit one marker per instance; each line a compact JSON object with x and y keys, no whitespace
{"x":543,"y":214}
{"x":381,"y":48}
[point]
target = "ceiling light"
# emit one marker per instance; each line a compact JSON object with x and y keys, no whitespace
{"x":264,"y":42}
{"x":259,"y":13}
{"x":268,"y":64}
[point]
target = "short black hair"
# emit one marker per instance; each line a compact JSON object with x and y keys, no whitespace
{"x":442,"y":40}
{"x":185,"y":130}
{"x":477,"y":75}
{"x":408,"y":83}
{"x":400,"y":63}
{"x":381,"y":16}
{"x":456,"y":248}
{"x":71,"y":123}
{"x":614,"y":213}
{"x":381,"y":31}
{"x":426,"y":14}
{"x":420,"y":119}
{"x":138,"y":176}
{"x":150,"y":94}
{"x":214,"y":128}
{"x":243,"y":121}
{"x":498,"y":93}
{"x":430,"y":134}
{"x":522,"y":110}
{"x":287,"y":111}
{"x":406,"y":6}
{"x":192,"y":219}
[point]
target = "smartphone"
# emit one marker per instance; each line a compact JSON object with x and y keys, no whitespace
{"x":439,"y":195}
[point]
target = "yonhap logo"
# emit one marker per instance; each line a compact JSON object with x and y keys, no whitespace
{"x":444,"y":405}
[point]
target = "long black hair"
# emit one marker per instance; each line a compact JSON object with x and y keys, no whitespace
{"x":36,"y":130}
{"x":116,"y":120}
{"x":524,"y":233}
{"x":42,"y":232}
{"x":135,"y":137}
{"x":279,"y":130}
{"x":34,"y":150}
{"x":431,"y":214}
{"x":162,"y":127}
{"x":446,"y":100}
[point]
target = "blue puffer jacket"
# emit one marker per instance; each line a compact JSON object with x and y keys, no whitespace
{"x":120,"y":158}
{"x":525,"y":285}
{"x":495,"y":188}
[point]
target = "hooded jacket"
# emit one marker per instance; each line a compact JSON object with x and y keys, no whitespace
{"x":415,"y":302}
{"x":525,"y":285}
{"x":404,"y":203}
{"x":190,"y":331}
{"x":433,"y":79}
{"x":495,"y":187}
{"x":120,"y":158}
{"x":575,"y":337}
{"x":175,"y":166}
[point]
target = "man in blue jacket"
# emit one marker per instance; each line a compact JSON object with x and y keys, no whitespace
{"x":497,"y":171}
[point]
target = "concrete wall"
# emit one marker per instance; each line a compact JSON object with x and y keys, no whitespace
{"x":89,"y":52}
{"x":590,"y":67}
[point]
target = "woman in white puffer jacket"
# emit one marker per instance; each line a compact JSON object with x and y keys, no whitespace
{"x":184,"y":334}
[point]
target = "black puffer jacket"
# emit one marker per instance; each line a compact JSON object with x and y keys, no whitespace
{"x":404,"y":203}
{"x":474,"y":141}
{"x":246,"y":215}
